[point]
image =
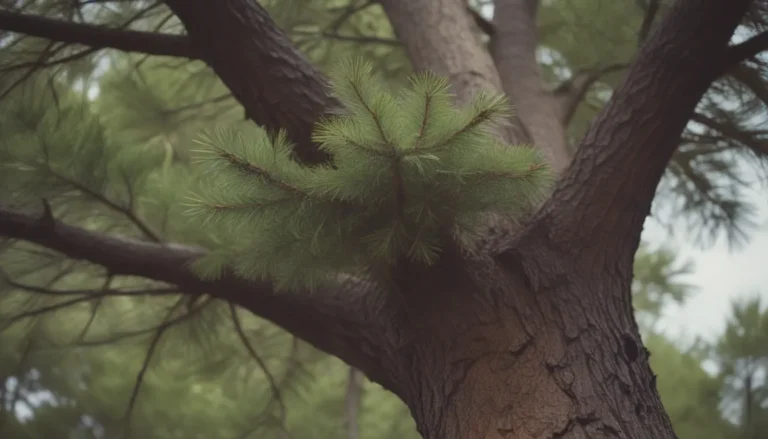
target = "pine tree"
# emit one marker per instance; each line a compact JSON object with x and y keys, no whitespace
{"x":546,"y":311}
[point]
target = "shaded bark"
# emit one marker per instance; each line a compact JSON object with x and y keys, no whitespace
{"x":343,"y":322}
{"x":601,"y":202}
{"x":151,"y":43}
{"x":438,"y":36}
{"x":514,"y":50}
{"x":277,"y":85}
{"x":499,"y":356}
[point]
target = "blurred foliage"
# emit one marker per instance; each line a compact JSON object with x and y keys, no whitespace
{"x":105,"y":139}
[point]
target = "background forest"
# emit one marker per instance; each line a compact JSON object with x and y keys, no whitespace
{"x":122,"y":126}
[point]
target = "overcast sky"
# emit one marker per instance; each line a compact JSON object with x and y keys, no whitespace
{"x":721,"y":276}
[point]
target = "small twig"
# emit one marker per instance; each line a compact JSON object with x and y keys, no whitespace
{"x":351,"y":38}
{"x":349,"y":11}
{"x":93,"y":293}
{"x":145,"y":366}
{"x":95,"y":308}
{"x":127,"y":212}
{"x":262,"y":364}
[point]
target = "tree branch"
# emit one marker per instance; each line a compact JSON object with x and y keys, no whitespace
{"x":746,"y":50}
{"x":651,"y":10}
{"x":514,"y":51}
{"x":601,"y":202}
{"x":277,"y":85}
{"x":344,"y":323}
{"x":484,"y":25}
{"x":570,"y":93}
{"x":752,"y":79}
{"x":747,"y":139}
{"x":98,"y":37}
{"x":462,"y":59}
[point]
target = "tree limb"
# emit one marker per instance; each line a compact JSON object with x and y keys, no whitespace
{"x":463,"y":60}
{"x":343,"y":323}
{"x":570,"y":93}
{"x":277,"y":85}
{"x":752,"y":79}
{"x":484,"y":25}
{"x":746,"y":50}
{"x":651,"y":10}
{"x":514,"y":52}
{"x":758,"y":146}
{"x":98,"y":37}
{"x":606,"y":195}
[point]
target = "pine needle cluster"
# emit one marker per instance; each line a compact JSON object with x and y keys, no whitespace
{"x":409,"y":172}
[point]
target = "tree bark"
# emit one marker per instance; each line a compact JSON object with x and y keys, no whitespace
{"x":278,"y":87}
{"x":438,"y":37}
{"x":622,"y":158}
{"x":514,"y":51}
{"x":495,"y":356}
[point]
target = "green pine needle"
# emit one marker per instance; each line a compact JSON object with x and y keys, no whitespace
{"x":408,"y":171}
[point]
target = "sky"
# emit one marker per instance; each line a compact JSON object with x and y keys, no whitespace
{"x":721,"y":276}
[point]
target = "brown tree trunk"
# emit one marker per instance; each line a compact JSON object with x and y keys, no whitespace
{"x":539,"y":347}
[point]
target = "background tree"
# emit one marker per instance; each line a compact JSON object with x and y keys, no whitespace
{"x":116,"y":165}
{"x":743,"y":360}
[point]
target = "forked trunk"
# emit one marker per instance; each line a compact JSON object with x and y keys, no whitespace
{"x":523,"y":352}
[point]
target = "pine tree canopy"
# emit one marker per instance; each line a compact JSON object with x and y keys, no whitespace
{"x":409,"y":171}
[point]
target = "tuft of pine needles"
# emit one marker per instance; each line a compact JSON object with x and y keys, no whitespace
{"x":408,"y":171}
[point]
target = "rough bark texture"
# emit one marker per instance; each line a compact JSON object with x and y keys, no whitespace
{"x":499,"y":357}
{"x":343,"y":321}
{"x":438,"y":36}
{"x":277,"y":85}
{"x":514,"y":50}
{"x":536,"y":339}
{"x":623,"y":155}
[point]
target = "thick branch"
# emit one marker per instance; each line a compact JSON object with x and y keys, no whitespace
{"x":746,"y":50}
{"x":514,"y":51}
{"x":99,"y":37}
{"x":341,"y":323}
{"x":277,"y":85}
{"x":601,"y":202}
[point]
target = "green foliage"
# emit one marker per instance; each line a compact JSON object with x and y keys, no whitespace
{"x":657,"y":283}
{"x":409,"y":172}
{"x":742,"y":355}
{"x":690,"y":394}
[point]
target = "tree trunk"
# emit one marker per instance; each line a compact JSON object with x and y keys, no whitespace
{"x":497,"y":355}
